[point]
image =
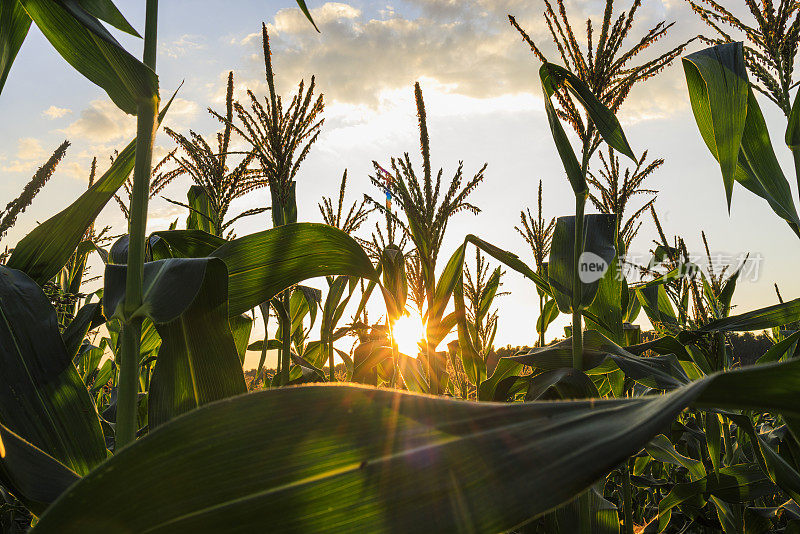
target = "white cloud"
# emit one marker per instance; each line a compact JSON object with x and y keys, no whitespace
{"x":55,"y":112}
{"x":183,"y":46}
{"x":29,"y":148}
{"x":102,"y":122}
{"x":467,"y":47}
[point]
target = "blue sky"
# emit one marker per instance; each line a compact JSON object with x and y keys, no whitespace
{"x":484,"y":105}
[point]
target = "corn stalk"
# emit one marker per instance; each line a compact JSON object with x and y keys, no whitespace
{"x":146,"y":114}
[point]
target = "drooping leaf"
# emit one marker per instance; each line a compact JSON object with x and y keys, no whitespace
{"x":562,"y":383}
{"x":106,"y":11}
{"x":763,"y":318}
{"x":505,"y":369}
{"x":184,"y":244}
{"x":661,"y":449}
{"x":86,"y":45}
{"x":604,"y":120}
{"x":14,"y":26}
{"x":602,"y":356}
{"x":263,"y":264}
{"x":718,"y":91}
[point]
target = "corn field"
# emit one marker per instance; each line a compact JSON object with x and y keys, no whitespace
{"x":125,"y":405}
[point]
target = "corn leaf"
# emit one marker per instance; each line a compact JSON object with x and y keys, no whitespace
{"x":106,"y":11}
{"x":35,"y":477}
{"x":198,"y":361}
{"x":263,"y":264}
{"x":379,"y":460}
{"x":575,"y":174}
{"x":86,"y":45}
{"x":603,"y":119}
{"x":14,"y":26}
{"x":599,"y":230}
{"x":602,"y":356}
{"x":718,"y":91}
{"x":42,"y":398}
{"x":184,"y":244}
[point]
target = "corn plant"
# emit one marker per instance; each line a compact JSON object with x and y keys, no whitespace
{"x":664,"y":435}
{"x":427,"y":213}
{"x":280,"y":140}
{"x":538,"y":234}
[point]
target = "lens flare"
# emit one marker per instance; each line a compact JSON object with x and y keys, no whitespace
{"x":408,"y":330}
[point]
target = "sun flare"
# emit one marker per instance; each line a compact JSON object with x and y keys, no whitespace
{"x":408,"y":330}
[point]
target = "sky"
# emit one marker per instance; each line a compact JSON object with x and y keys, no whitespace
{"x":484,"y":105}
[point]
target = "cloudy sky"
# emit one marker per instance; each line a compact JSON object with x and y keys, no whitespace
{"x":483,"y":100}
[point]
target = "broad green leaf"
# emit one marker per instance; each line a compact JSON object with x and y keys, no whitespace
{"x":42,"y":398}
{"x":602,"y":356}
{"x":777,"y":351}
{"x":46,"y":249}
{"x":198,"y":361}
{"x":14,"y":26}
{"x":771,"y":463}
{"x":202,"y":215}
{"x":718,"y":90}
{"x":393,"y":459}
{"x":737,"y":483}
{"x":607,"y":304}
{"x":655,"y":302}
{"x":394,"y":277}
{"x":759,"y":169}
{"x":263,"y":264}
{"x":549,"y":314}
{"x":598,"y":249}
{"x":86,"y":45}
{"x":730,"y":517}
{"x":241,"y":325}
{"x":35,"y":477}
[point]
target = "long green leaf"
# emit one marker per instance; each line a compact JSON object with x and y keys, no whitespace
{"x":86,"y":45}
{"x":42,"y":398}
{"x":263,"y":264}
{"x":35,"y":477}
{"x":599,"y":230}
{"x":604,"y":120}
{"x":375,"y":459}
{"x":718,"y":91}
{"x":602,"y":356}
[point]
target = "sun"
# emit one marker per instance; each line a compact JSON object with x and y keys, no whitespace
{"x":408,"y":330}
